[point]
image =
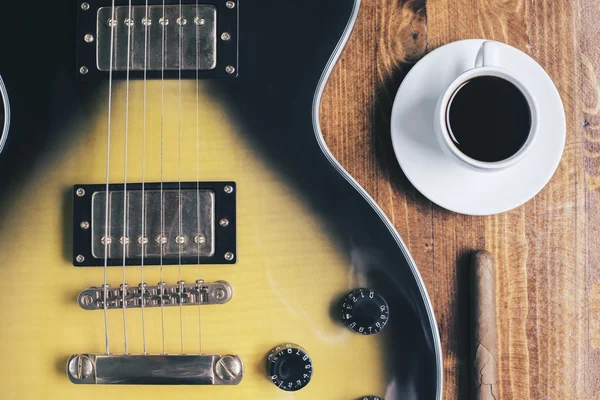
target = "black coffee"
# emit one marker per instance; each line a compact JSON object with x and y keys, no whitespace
{"x":489,"y":119}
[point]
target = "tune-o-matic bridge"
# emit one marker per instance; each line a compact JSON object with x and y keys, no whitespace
{"x":158,"y":40}
{"x":198,"y":293}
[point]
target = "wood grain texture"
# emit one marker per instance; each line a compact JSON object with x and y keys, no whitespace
{"x":548,"y":278}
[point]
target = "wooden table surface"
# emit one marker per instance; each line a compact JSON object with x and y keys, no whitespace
{"x":547,"y":251}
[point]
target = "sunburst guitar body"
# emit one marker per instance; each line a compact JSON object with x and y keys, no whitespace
{"x":270,"y":274}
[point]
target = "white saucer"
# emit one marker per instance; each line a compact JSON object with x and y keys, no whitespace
{"x":449,"y":182}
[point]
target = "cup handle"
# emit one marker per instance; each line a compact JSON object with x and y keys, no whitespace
{"x":487,"y":55}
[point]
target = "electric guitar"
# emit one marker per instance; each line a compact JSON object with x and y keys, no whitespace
{"x":172,"y":223}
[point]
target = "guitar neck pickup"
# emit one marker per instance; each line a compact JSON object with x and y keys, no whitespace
{"x":161,"y":295}
{"x":161,"y":40}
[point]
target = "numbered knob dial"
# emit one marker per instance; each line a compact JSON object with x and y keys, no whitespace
{"x":289,"y":367}
{"x":364,"y":311}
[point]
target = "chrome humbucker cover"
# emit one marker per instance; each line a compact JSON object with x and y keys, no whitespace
{"x":187,"y":223}
{"x":178,"y":39}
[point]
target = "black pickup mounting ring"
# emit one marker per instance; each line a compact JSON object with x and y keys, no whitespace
{"x":227,"y":40}
{"x":198,"y":224}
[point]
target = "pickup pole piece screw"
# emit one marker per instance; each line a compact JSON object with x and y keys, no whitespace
{"x":224,"y":222}
{"x":181,"y":21}
{"x":199,"y":239}
{"x":230,"y":4}
{"x":84,"y":225}
{"x":225,"y":36}
{"x":199,"y":21}
{"x":89,"y":38}
{"x":80,"y":192}
{"x":80,"y":367}
{"x":228,"y":368}
{"x":80,"y":258}
{"x":161,"y":239}
{"x":83,"y":71}
{"x":85,"y":6}
{"x":228,"y":189}
{"x":229,"y":256}
{"x":230,"y":69}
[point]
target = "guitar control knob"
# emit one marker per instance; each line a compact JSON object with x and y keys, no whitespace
{"x":365,"y":312}
{"x":289,"y":367}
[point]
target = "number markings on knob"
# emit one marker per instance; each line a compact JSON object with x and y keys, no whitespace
{"x":289,"y":367}
{"x":365,"y":312}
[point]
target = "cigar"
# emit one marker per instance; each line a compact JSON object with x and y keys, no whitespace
{"x":484,"y":338}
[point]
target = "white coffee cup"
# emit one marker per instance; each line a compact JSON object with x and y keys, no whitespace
{"x":487,"y":63}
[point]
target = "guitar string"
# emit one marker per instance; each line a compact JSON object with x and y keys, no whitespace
{"x":198,"y":176}
{"x":162,"y":216}
{"x":180,"y":239}
{"x":144,"y":238}
{"x":107,"y":194}
{"x":124,"y":290}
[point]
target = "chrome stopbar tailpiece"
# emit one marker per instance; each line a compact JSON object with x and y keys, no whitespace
{"x":199,"y":293}
{"x":109,"y":369}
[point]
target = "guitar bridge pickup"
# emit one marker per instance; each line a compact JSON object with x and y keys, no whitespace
{"x":199,"y":293}
{"x":109,"y":369}
{"x":167,"y":224}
